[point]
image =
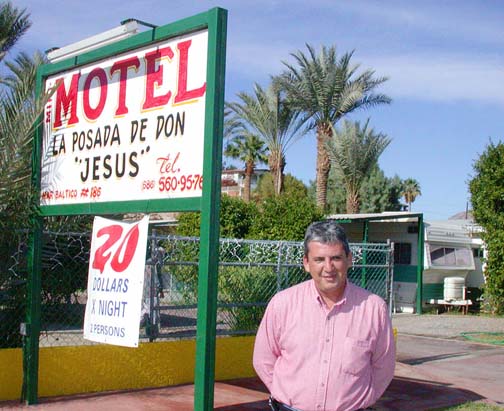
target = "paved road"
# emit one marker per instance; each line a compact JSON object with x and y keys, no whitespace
{"x":445,"y":325}
{"x":431,"y":346}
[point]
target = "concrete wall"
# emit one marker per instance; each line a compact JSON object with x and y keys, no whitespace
{"x":95,"y":368}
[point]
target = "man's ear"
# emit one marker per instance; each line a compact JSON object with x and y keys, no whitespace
{"x":350,"y":258}
{"x":305,"y":264}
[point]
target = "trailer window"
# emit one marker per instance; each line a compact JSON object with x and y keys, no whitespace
{"x":402,"y":253}
{"x":456,"y":257}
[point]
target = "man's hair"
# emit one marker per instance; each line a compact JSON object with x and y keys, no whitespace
{"x":326,"y":232}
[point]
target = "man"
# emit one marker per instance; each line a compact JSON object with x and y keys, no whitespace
{"x":325,"y":344}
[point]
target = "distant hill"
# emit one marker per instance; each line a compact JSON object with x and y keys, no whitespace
{"x":463,"y":215}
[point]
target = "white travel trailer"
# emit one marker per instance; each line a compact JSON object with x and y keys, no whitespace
{"x":435,"y":262}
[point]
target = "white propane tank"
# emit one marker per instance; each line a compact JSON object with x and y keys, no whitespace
{"x":453,"y":288}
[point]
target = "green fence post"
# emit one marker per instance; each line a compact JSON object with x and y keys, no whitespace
{"x":364,"y":255}
{"x":420,"y":265}
{"x":31,"y":330}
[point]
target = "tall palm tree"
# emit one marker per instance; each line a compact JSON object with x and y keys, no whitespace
{"x":325,"y":87}
{"x":250,"y":149}
{"x":265,"y":114}
{"x":354,"y":152}
{"x":410,"y":191}
{"x":13,"y":24}
{"x":19,"y":112}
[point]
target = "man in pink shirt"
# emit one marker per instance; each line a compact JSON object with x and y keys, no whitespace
{"x":325,"y":344}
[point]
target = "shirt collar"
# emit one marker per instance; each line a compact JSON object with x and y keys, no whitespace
{"x":315,"y":294}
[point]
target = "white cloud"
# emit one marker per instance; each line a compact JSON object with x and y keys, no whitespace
{"x":442,"y":78}
{"x":475,"y":21}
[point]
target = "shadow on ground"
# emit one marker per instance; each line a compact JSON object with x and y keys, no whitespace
{"x":403,"y":394}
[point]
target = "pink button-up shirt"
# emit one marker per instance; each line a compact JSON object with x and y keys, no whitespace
{"x":317,"y":359}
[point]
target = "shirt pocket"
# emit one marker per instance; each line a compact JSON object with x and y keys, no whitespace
{"x":356,"y":356}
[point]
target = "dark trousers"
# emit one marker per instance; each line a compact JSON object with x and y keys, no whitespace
{"x":278,"y":406}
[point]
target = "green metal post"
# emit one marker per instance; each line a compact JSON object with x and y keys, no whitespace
{"x":420,"y":265}
{"x":32,"y":326}
{"x":364,"y":254}
{"x":209,"y":229}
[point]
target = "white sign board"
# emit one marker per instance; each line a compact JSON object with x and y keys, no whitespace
{"x":130,"y":127}
{"x":115,"y":281}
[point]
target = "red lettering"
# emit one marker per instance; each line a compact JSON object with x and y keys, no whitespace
{"x":155,"y":78}
{"x":67,"y":101}
{"x":182,"y":93}
{"x":123,"y":66}
{"x":113,"y":233}
{"x":90,"y":112}
{"x":168,"y":164}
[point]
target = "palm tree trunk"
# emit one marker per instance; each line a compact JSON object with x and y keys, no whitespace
{"x":249,"y":170}
{"x":276,"y":165}
{"x":324,"y":132}
{"x":281,"y":175}
{"x":352,"y":202}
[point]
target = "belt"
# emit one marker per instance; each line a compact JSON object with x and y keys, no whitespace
{"x":280,"y":406}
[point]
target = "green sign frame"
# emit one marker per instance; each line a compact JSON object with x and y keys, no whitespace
{"x":215,"y":22}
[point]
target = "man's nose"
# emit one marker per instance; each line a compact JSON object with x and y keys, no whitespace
{"x":328,"y":264}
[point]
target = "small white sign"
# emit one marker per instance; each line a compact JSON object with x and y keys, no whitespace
{"x":115,"y":281}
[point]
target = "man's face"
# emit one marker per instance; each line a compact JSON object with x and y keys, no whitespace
{"x":328,"y":265}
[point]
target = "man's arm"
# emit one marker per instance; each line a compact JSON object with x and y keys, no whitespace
{"x":266,"y":347}
{"x":383,"y":359}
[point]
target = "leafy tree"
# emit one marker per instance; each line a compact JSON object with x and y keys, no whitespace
{"x":265,"y":114}
{"x":325,"y":88}
{"x":487,"y":197}
{"x":236,"y":219}
{"x":354,"y":151}
{"x":284,"y":218}
{"x":292,"y":187}
{"x":378,"y":193}
{"x":410,"y":191}
{"x":249,"y":149}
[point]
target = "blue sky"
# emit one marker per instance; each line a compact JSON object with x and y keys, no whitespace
{"x":444,"y":60}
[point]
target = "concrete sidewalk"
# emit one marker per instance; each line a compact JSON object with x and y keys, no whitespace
{"x":406,"y":392}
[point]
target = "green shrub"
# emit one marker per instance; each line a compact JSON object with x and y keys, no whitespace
{"x":243,"y":292}
{"x":284,"y":218}
{"x":487,"y":197}
{"x":236,"y":217}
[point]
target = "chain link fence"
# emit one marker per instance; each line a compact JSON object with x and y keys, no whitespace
{"x":250,"y":273}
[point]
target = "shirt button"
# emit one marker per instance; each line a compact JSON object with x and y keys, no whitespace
{"x":328,"y":339}
{"x":323,"y":385}
{"x":325,"y":361}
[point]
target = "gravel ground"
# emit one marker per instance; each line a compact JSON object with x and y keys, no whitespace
{"x":445,"y":325}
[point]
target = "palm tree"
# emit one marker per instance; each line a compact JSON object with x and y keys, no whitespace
{"x":13,"y":25}
{"x":354,"y":152}
{"x":265,"y":114}
{"x":250,"y":149}
{"x":410,"y":191}
{"x":18,"y":113}
{"x":325,"y":87}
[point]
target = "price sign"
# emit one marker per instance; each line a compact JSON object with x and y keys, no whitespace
{"x":115,"y":281}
